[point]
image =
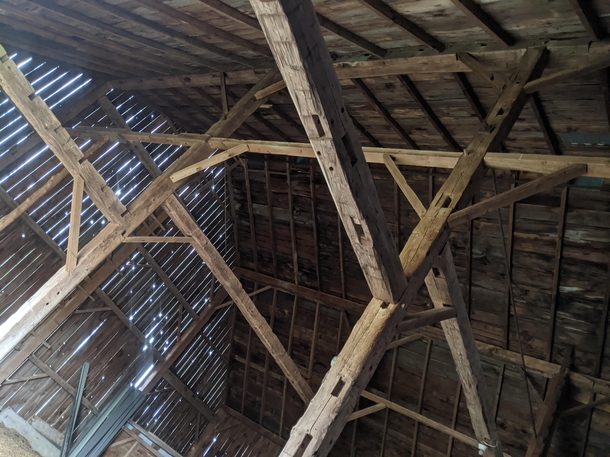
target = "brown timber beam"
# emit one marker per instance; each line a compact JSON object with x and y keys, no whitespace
{"x":473,"y":10}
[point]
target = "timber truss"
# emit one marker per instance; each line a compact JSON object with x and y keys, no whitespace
{"x":394,"y":277}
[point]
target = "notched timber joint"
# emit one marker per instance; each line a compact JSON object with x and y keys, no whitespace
{"x":338,"y":387}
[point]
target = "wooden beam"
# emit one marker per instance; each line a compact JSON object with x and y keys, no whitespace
{"x":407,"y":191}
{"x":189,"y":396}
{"x":383,"y":112}
{"x":474,"y":11}
{"x":74,"y":232}
{"x":605,"y":84}
{"x":564,"y":54}
{"x":444,"y":290}
{"x":549,"y":135}
{"x":61,"y":382}
{"x":366,"y":411}
{"x":272,"y":89}
{"x":157,"y":239}
{"x":332,"y":301}
{"x":50,"y":295}
{"x":307,"y":69}
{"x":401,"y":21}
{"x":545,"y":416}
{"x":585,"y":10}
{"x":231,"y":13}
{"x":536,"y":186}
{"x":476,"y":67}
{"x":424,"y":318}
{"x":351,"y":36}
{"x":596,"y":64}
{"x":422,"y":419}
{"x":533,"y":163}
{"x":46,"y":124}
{"x":473,"y":100}
{"x":430,"y":114}
{"x":227,"y":278}
{"x":209,"y":162}
{"x":326,"y":415}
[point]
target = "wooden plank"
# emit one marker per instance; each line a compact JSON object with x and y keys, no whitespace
{"x":534,"y":163}
{"x":485,"y":73}
{"x":294,"y":35}
{"x":549,"y":135}
{"x":272,"y":89}
{"x":591,"y":66}
{"x":327,"y":413}
{"x":536,"y":186}
{"x":545,"y":415}
{"x":401,"y":21}
{"x":157,"y":239}
{"x":474,"y":11}
{"x":74,"y":232}
{"x":383,"y":112}
{"x":46,"y":124}
{"x":227,"y":278}
{"x":50,"y":295}
{"x":210,"y":162}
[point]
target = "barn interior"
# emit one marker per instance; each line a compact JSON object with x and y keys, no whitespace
{"x":277,"y":227}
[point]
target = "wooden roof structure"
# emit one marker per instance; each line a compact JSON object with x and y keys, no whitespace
{"x":355,"y":227}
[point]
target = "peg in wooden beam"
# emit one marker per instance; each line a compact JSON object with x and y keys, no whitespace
{"x":74,"y":233}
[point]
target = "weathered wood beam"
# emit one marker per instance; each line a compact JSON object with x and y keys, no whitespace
{"x":74,"y":231}
{"x":534,"y":163}
{"x":157,"y":239}
{"x":473,"y":100}
{"x":444,"y":290}
{"x":46,"y":124}
{"x":227,"y":278}
{"x":605,"y":84}
{"x":545,"y":416}
{"x":549,"y":134}
{"x":476,"y":67}
{"x":422,"y":419}
{"x":351,"y":36}
{"x":326,"y":415}
{"x":307,"y":69}
{"x":383,"y":112}
{"x":593,"y":65}
{"x":430,"y":114}
{"x":563,"y":54}
{"x":425,"y":318}
{"x":484,"y":20}
{"x":48,"y":297}
{"x":585,"y":10}
{"x":407,"y":190}
{"x":536,"y":186}
{"x":380,"y":7}
{"x":61,"y":382}
{"x":209,"y":162}
{"x":367,"y":411}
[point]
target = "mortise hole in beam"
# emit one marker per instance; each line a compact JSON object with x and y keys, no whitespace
{"x":303,"y":446}
{"x":446,"y":202}
{"x":318,"y":124}
{"x":338,"y":387}
{"x":436,"y":272}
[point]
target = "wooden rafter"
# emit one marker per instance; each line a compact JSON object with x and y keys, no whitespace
{"x":425,"y":107}
{"x":382,"y":8}
{"x":383,"y":112}
{"x":589,"y":18}
{"x":351,"y":36}
{"x":209,"y":162}
{"x":473,"y":10}
{"x":315,"y":90}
